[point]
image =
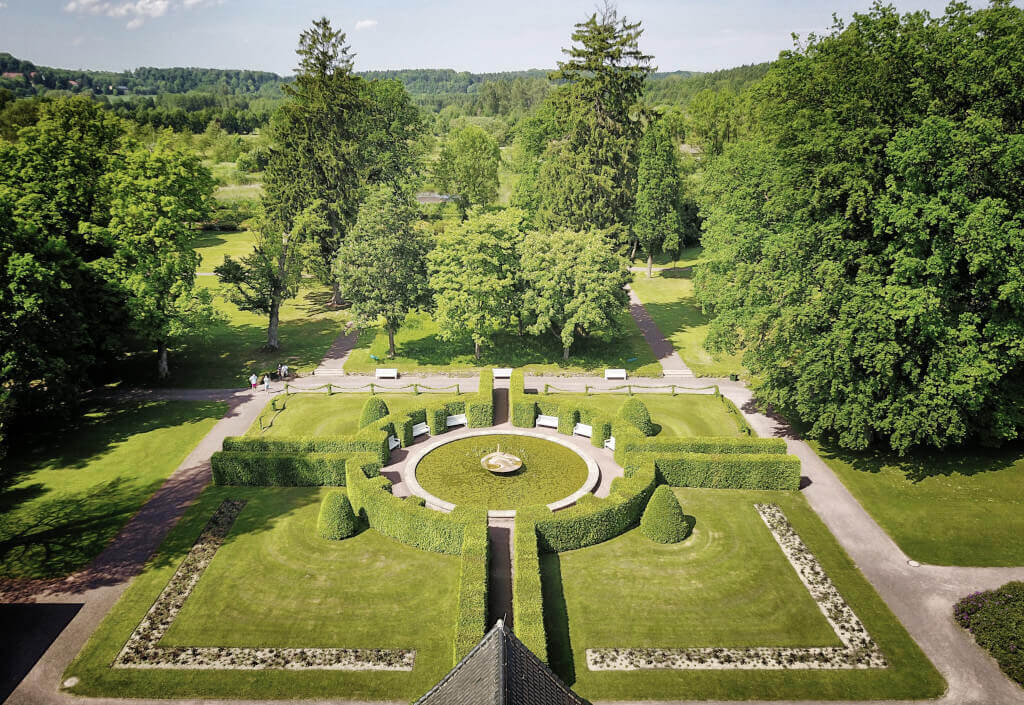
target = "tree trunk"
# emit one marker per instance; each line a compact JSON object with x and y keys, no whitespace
{"x":519,"y":325}
{"x":391,"y":342}
{"x":163,"y":370}
{"x":273,"y":341}
{"x":335,"y":294}
{"x":632,"y":253}
{"x":476,"y":349}
{"x":565,"y":353}
{"x":650,"y":264}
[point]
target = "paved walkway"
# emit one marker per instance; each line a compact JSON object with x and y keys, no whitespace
{"x":334,"y":361}
{"x":671,"y":363}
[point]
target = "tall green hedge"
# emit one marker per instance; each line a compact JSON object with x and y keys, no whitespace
{"x":368,"y":440}
{"x":663,"y":519}
{"x":336,"y":520}
{"x":471,"y":613}
{"x":527,"y":592}
{"x":523,"y":406}
{"x":630,"y":445}
{"x":730,"y":471}
{"x":236,"y":467}
{"x":480,"y":407}
{"x":635,"y":412}
{"x":373,"y":410}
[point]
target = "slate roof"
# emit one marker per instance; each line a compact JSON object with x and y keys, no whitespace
{"x":500,"y":670}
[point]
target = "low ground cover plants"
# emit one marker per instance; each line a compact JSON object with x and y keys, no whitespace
{"x":995,"y":618}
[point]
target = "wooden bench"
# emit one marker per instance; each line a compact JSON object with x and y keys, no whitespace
{"x":387,"y":373}
{"x":610,"y":443}
{"x":615,"y":373}
{"x":549,"y":421}
{"x":419,"y":429}
{"x":502,"y":372}
{"x":392,"y":443}
{"x":456,"y":420}
{"x":582,"y":429}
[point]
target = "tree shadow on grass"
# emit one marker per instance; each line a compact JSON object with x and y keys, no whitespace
{"x":921,"y":465}
{"x":26,"y":632}
{"x":556,"y":619}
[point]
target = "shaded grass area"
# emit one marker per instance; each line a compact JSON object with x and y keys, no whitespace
{"x":309,"y":414}
{"x":727,"y":585}
{"x":364,"y":592}
{"x":213,"y":246}
{"x":453,"y":472}
{"x":420,"y":350}
{"x":233,"y":348}
{"x":688,"y":257}
{"x":959,"y":507}
{"x":669,"y":299}
{"x":680,"y":415}
{"x":62,"y":502}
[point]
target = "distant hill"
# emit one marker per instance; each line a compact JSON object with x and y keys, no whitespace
{"x":679,"y":87}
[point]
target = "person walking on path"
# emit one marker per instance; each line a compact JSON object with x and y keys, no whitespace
{"x":266,"y":383}
{"x":253,"y":381}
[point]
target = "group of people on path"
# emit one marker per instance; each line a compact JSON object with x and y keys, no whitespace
{"x":254,"y":380}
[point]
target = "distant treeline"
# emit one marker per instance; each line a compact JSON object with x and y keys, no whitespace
{"x":680,"y":88}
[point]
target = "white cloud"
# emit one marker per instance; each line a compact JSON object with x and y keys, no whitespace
{"x":366,"y":24}
{"x":137,"y":11}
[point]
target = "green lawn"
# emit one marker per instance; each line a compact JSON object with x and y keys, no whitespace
{"x":687,"y":258}
{"x":669,"y":299}
{"x":953,"y":508}
{"x":233,"y":351}
{"x":213,"y":246}
{"x":309,"y":414}
{"x":63,"y":502}
{"x":727,"y":585}
{"x":453,"y":472}
{"x":239,"y":192}
{"x":420,"y":350}
{"x":680,"y":415}
{"x":275,"y":582}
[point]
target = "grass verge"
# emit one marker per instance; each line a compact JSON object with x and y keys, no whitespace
{"x":673,"y":416}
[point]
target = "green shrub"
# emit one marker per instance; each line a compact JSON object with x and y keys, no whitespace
{"x":436,"y":419}
{"x":417,"y":500}
{"x":527,"y":593}
{"x":336,"y":520}
{"x":524,"y":407}
{"x":373,"y":410}
{"x":480,"y":407}
{"x":471,"y":613}
{"x":730,"y":471}
{"x":663,"y":520}
{"x":630,"y":445}
{"x":996,"y":620}
{"x":369,"y":440}
{"x":635,"y":412}
{"x":235,"y":467}
{"x":568,"y":417}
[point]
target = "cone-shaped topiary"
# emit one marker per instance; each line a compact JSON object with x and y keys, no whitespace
{"x":663,"y":520}
{"x":635,"y":412}
{"x":373,"y":410}
{"x":337,"y":520}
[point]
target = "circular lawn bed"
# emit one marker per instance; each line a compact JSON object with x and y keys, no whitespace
{"x":453,"y":472}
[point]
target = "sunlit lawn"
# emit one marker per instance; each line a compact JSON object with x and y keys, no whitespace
{"x":688,"y":257}
{"x":214,"y":246}
{"x":239,"y":192}
{"x":64,"y":500}
{"x":680,"y":415}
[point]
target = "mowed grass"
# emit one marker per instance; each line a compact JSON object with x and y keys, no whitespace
{"x":688,"y":257}
{"x":239,"y":192}
{"x":669,"y":299}
{"x":453,"y":472}
{"x":960,"y":507}
{"x":728,"y":584}
{"x":275,"y":582}
{"x":63,"y":502}
{"x":680,"y":415}
{"x":214,"y":246}
{"x":420,"y":350}
{"x":234,"y":347}
{"x":317,"y":414}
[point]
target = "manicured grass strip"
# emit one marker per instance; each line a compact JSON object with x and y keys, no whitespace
{"x":683,"y":415}
{"x":367,"y":591}
{"x":726,"y":585}
{"x":453,"y":472}
{"x":420,"y":350}
{"x":214,"y":246}
{"x":669,"y":299}
{"x":961,"y":507}
{"x":63,"y":502}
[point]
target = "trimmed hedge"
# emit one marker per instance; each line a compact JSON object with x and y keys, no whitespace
{"x":730,"y":471}
{"x":527,"y":592}
{"x":250,"y":468}
{"x":471,"y":613}
{"x":635,"y":412}
{"x":368,"y":440}
{"x":996,"y":620}
{"x":480,"y":407}
{"x":336,"y":520}
{"x":593,"y":520}
{"x":373,"y":410}
{"x":630,"y":445}
{"x":524,"y":409}
{"x":663,"y":520}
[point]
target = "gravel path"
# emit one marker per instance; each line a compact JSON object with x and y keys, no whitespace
{"x":671,"y":363}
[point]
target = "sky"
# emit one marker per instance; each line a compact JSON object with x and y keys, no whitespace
{"x":697,"y":35}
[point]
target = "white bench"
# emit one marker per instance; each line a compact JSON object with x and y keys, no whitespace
{"x":392,"y":443}
{"x":502,"y":372}
{"x":610,"y":443}
{"x":387,"y":373}
{"x":582,"y":429}
{"x":419,"y":429}
{"x":615,"y":373}
{"x":456,"y":420}
{"x":549,"y":421}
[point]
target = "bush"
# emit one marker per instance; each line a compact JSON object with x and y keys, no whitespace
{"x":635,"y":413}
{"x":663,"y":520}
{"x":480,"y":407}
{"x":471,"y":613}
{"x":527,"y":593}
{"x":436,"y":419}
{"x":336,"y":520}
{"x":283,"y":469}
{"x":373,"y":410}
{"x":367,"y":440}
{"x":996,"y":619}
{"x":730,"y":471}
{"x":524,"y":410}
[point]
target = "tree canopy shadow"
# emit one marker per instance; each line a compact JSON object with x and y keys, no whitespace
{"x":920,"y":465}
{"x":556,"y":619}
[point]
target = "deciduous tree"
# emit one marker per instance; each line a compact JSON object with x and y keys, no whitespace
{"x":657,"y":222}
{"x":468,"y":166}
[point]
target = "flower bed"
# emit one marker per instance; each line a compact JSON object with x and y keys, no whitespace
{"x":142,"y":650}
{"x":858,"y":651}
{"x":996,"y":620}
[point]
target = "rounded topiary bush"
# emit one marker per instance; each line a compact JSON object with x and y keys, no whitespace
{"x":635,"y":412}
{"x":373,"y":410}
{"x":663,"y":520}
{"x":337,"y":520}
